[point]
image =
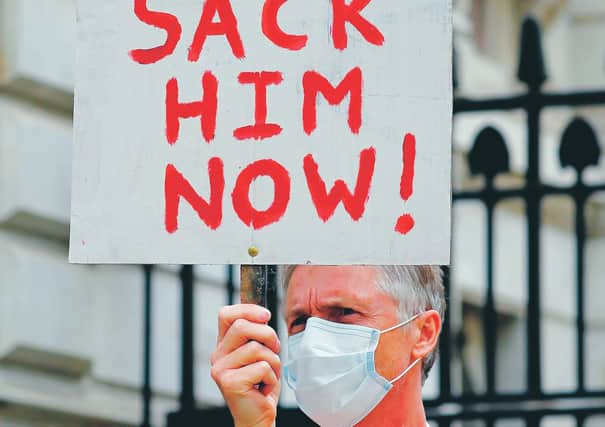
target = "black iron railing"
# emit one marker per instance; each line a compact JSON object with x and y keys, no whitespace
{"x":488,"y":158}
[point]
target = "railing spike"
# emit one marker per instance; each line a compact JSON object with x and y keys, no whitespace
{"x":532,"y":70}
{"x":579,"y":146}
{"x":489,"y":155}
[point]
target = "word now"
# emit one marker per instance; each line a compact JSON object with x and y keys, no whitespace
{"x":226,"y":26}
{"x":211,"y":211}
{"x":313,"y":84}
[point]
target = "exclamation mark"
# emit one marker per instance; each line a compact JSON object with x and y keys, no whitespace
{"x":405,"y":222}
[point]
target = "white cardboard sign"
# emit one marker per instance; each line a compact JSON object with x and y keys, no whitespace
{"x":316,"y":131}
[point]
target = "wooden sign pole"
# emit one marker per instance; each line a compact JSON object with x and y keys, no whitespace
{"x":254,"y":284}
{"x":259,"y":286}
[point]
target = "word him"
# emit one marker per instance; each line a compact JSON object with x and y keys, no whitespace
{"x":313,"y":84}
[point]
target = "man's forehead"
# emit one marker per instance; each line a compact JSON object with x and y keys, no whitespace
{"x":331,"y":284}
{"x":316,"y":275}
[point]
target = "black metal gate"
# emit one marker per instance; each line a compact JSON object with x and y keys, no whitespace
{"x":579,"y":149}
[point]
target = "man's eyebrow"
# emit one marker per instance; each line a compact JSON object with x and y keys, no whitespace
{"x":327,"y":304}
{"x":296,"y":312}
{"x":339,"y":302}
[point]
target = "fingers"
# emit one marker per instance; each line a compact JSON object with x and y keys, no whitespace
{"x":241,"y":332}
{"x":243,"y":380}
{"x":262,"y":373}
{"x":246,"y":365}
{"x":249,"y":354}
{"x":251,"y":312}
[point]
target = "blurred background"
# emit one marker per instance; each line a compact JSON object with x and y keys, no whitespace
{"x":524,"y":343}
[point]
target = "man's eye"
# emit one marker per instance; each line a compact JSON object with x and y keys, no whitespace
{"x":347,"y":311}
{"x":299,"y":321}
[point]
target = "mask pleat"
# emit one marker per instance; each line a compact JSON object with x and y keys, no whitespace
{"x":322,"y":373}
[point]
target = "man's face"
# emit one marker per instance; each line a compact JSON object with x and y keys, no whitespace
{"x":349,"y":294}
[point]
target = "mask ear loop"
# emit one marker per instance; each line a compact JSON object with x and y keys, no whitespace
{"x":392,"y":328}
{"x":405,"y":371}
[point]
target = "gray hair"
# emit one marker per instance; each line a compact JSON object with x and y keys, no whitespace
{"x":418,"y":288}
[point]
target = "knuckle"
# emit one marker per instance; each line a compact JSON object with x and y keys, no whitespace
{"x":239,"y":325}
{"x":223,"y":382}
{"x":274,"y":340}
{"x":266,"y":333}
{"x":214,"y":357}
{"x":215,"y":373}
{"x":224,"y":313}
{"x":229,"y":382}
{"x":270,"y":332}
{"x":255,"y":347}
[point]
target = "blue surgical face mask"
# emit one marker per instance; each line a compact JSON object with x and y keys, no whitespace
{"x":332,"y":372}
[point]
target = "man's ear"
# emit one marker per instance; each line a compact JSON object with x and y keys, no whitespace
{"x":429,"y":324}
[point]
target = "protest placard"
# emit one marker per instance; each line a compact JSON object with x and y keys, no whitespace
{"x":240,"y":131}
